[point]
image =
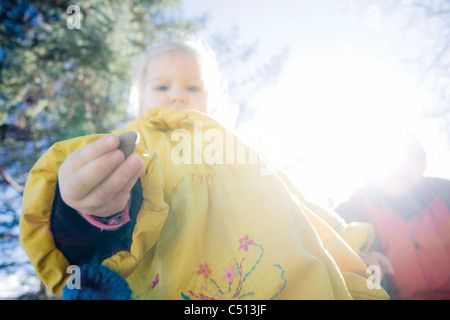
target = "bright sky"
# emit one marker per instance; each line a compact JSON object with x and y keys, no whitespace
{"x":344,"y":84}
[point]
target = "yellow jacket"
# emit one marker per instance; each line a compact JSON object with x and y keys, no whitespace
{"x":224,"y":230}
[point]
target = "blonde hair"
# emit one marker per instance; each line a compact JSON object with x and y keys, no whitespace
{"x":205,"y":56}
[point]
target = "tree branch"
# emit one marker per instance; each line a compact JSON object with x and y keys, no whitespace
{"x":11,"y":180}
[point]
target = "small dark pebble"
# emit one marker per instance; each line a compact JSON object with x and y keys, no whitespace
{"x":128,"y":141}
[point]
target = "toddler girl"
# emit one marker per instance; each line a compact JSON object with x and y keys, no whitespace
{"x":192,"y":214}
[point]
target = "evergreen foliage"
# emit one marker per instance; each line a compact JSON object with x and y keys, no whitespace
{"x":58,"y":81}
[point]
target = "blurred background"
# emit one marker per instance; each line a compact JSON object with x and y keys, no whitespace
{"x":318,"y":84}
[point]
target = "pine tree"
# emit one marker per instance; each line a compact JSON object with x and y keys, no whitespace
{"x":65,"y":67}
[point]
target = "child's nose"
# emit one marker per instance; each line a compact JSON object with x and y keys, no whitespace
{"x":178,"y":96}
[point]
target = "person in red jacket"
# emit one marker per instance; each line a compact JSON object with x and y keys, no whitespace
{"x":411,"y":215}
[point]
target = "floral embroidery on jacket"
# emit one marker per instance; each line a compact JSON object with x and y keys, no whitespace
{"x":156,"y":281}
{"x":245,"y":242}
{"x":229,"y":274}
{"x":204,"y":270}
{"x":232,"y":276}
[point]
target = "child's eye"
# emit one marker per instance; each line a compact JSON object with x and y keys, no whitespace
{"x":162,"y":88}
{"x":193,"y":88}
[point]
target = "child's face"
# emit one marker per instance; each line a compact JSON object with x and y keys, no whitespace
{"x":175,"y":80}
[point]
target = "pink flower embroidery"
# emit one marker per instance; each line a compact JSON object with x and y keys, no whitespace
{"x":154,"y":283}
{"x":229,"y":274}
{"x":245,"y":242}
{"x":204,"y":269}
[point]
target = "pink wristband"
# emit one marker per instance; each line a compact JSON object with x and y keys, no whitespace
{"x":109,"y":223}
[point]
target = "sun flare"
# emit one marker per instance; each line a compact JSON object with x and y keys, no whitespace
{"x":328,"y":111}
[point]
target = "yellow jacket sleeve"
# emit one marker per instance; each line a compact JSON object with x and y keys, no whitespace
{"x":35,"y":220}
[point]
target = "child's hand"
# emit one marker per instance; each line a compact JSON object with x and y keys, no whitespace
{"x":97,"y":179}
